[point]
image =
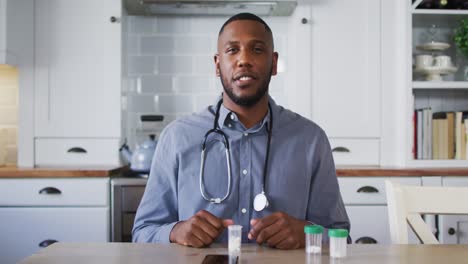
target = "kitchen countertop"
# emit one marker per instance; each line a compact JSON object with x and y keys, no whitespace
{"x":109,"y":253}
{"x":66,"y":172}
{"x":397,"y":172}
{"x":62,"y":172}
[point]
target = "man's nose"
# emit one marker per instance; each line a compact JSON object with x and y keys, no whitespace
{"x":244,"y":59}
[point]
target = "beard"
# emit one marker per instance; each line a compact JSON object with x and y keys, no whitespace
{"x":247,"y":101}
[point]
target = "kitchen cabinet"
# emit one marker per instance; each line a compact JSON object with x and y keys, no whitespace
{"x":453,"y":229}
{"x":37,"y":212}
{"x":78,"y":79}
{"x":12,"y":25}
{"x":346,"y":73}
{"x":432,"y":88}
{"x":366,"y":204}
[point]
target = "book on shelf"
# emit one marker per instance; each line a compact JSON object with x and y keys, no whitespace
{"x":465,"y":138}
{"x":419,"y":132}
{"x":423,"y":127}
{"x":440,"y":135}
{"x":460,"y":135}
{"x":440,"y":139}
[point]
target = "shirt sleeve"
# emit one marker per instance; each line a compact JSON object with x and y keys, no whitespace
{"x":325,"y":205}
{"x":158,"y":211}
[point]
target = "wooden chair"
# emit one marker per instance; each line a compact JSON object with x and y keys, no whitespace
{"x":406,"y":204}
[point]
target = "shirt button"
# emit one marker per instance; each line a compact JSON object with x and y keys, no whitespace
{"x":232,"y":117}
{"x":229,"y":125}
{"x":244,"y":172}
{"x":244,"y":210}
{"x":246,"y":134}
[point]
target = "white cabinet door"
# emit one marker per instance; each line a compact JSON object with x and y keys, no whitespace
{"x":15,"y":29}
{"x":453,"y":229}
{"x":365,"y":199}
{"x":346,"y":67}
{"x":369,"y":224}
{"x":78,"y":68}
{"x":26,"y":230}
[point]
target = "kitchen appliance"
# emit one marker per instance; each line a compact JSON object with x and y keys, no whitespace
{"x":140,"y":159}
{"x":210,"y":7}
{"x":126,"y":194}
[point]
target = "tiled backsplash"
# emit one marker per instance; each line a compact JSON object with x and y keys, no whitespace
{"x":171,"y":68}
{"x":8,"y":114}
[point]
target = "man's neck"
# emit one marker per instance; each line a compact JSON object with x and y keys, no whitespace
{"x":248,"y":116}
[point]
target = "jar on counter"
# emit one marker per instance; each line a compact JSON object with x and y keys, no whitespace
{"x":313,"y":239}
{"x":338,"y":242}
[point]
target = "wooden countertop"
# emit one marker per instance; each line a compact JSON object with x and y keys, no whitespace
{"x":110,"y":253}
{"x":389,"y":171}
{"x":62,"y":172}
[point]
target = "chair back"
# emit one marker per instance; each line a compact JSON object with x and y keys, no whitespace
{"x":407,"y":204}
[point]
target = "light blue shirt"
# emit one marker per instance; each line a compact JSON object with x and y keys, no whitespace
{"x":301,"y":179}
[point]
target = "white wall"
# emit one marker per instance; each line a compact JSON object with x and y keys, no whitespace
{"x":171,"y":68}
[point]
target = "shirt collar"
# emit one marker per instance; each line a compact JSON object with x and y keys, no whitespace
{"x":225,"y":114}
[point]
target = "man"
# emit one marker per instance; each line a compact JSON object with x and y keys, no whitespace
{"x":263,"y":167}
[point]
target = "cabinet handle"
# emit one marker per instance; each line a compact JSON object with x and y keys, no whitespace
{"x":50,"y":190}
{"x":366,"y":240}
{"x":451,"y":231}
{"x":113,"y":19}
{"x":367,"y":189}
{"x":77,"y":150}
{"x":340,"y":149}
{"x":151,"y":118}
{"x":47,"y":242}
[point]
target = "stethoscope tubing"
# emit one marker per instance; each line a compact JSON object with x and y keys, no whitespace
{"x":225,"y":141}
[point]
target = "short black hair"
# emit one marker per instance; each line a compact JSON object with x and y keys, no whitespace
{"x":246,"y":16}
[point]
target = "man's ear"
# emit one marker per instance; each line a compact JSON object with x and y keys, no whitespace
{"x":216,"y":61}
{"x":274,"y":66}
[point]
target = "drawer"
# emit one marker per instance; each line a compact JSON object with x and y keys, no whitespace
{"x":370,"y":223}
{"x":24,"y":229}
{"x":369,"y":190}
{"x":55,"y":192}
{"x":131,"y":197}
{"x":355,"y":151}
{"x":76,"y":152}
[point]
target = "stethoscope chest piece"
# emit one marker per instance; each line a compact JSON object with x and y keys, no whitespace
{"x":260,"y":202}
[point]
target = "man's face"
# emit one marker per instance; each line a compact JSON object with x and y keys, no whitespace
{"x":245,"y":61}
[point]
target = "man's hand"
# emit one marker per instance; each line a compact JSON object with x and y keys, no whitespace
{"x":199,"y":230}
{"x":278,"y":230}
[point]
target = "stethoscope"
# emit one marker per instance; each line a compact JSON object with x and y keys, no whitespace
{"x":260,"y":200}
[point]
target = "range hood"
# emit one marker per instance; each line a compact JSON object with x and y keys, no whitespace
{"x":210,"y":7}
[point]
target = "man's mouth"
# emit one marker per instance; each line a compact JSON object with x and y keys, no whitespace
{"x":244,"y":79}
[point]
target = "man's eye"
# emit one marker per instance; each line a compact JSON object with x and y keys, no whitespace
{"x":231,"y":50}
{"x":258,"y":50}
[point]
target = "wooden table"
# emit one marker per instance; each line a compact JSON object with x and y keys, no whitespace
{"x":104,"y":253}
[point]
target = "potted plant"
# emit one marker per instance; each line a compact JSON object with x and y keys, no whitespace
{"x":461,"y":42}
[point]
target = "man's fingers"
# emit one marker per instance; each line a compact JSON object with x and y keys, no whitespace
{"x":194,"y":241}
{"x":269,"y":231}
{"x":206,"y":227}
{"x":199,"y":233}
{"x":260,"y":224}
{"x":227,"y":222}
{"x":288,"y":243}
{"x":277,"y":238}
{"x":210,"y":218}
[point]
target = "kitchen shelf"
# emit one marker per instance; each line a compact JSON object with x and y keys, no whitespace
{"x":439,"y":85}
{"x":437,"y":163}
{"x":440,"y":12}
